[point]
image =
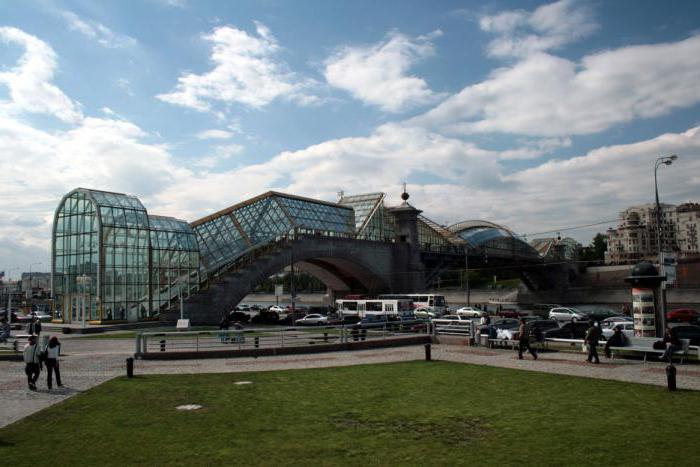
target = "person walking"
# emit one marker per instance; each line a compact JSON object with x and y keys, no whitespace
{"x":32,"y":358}
{"x":223,"y":327}
{"x":524,"y":342}
{"x":53,"y":350}
{"x":618,"y":339}
{"x":34,"y":327}
{"x":591,"y":340}
{"x":4,"y":330}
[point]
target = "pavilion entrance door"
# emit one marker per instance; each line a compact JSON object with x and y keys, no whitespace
{"x":72,"y":309}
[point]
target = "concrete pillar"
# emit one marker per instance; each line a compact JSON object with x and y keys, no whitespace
{"x":411,"y":277}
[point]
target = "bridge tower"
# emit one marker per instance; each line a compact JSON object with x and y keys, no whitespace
{"x":409,"y":269}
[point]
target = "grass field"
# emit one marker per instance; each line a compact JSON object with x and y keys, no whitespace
{"x":417,"y":413}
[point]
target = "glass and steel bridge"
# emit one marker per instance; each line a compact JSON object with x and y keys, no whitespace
{"x":112,"y":261}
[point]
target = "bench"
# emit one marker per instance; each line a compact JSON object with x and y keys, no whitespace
{"x":645,"y":345}
{"x":503,"y":343}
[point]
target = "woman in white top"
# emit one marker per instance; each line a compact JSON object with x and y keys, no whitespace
{"x":53,"y":350}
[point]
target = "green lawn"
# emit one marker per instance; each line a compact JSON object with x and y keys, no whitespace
{"x":417,"y":413}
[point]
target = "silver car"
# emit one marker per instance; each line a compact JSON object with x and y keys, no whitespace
{"x":567,"y":314}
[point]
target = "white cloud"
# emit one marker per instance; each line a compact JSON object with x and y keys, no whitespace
{"x":548,"y":27}
{"x":244,"y":72}
{"x":214,"y":134}
{"x":29,"y":82}
{"x":378,"y":74}
{"x":97,"y":31}
{"x":545,"y":95}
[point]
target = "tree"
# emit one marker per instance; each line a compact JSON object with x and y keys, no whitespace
{"x":596,"y":250}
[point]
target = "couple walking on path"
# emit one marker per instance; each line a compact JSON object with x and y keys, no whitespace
{"x":35,"y":357}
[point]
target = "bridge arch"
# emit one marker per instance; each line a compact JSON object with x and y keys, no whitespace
{"x":342,"y":264}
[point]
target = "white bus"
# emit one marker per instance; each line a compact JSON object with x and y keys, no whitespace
{"x":422,"y":300}
{"x":360,"y":308}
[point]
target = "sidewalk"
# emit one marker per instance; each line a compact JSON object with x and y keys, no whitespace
{"x":88,"y":363}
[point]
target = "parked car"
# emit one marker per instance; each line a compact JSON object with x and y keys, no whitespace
{"x":312,"y":320}
{"x":278,"y":309}
{"x":627,"y":329}
{"x":617,"y":319}
{"x":683,"y":315}
{"x":266,"y":317}
{"x":600,"y":314}
{"x":471,"y":311}
{"x":453,"y":319}
{"x":241,"y":316}
{"x":500,"y":324}
{"x":688,"y":332}
{"x":511,"y":313}
{"x":41,"y":316}
{"x":243,"y":307}
{"x":424,"y":312}
{"x":570,"y":330}
{"x":567,"y":314}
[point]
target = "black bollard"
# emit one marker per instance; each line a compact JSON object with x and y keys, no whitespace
{"x":671,"y":377}
{"x":427,"y":352}
{"x":162,"y":345}
{"x":129,"y":367}
{"x":256,"y":342}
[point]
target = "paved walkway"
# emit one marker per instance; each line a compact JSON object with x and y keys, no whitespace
{"x":89,"y":362}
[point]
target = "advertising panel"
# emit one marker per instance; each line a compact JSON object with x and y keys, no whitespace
{"x":643,"y":312}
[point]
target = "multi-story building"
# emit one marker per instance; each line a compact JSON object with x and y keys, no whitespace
{"x":635,"y":237}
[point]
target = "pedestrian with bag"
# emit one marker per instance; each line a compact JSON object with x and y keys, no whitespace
{"x":52,"y":352}
{"x":32,"y":361}
{"x":524,"y":342}
{"x":672,"y":344}
{"x":5,"y":330}
{"x":591,"y":340}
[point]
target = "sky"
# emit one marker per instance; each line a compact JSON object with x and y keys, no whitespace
{"x":540,"y":116}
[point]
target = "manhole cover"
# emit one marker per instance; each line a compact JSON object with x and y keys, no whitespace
{"x":243,"y":382}
{"x":189,"y":407}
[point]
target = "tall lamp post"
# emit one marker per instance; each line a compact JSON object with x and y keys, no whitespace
{"x":9,"y":296}
{"x":466,"y":278}
{"x":665,"y":160}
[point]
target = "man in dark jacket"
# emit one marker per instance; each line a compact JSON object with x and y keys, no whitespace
{"x":618,"y":339}
{"x":592,"y":338}
{"x":524,"y":343}
{"x":34,"y":327}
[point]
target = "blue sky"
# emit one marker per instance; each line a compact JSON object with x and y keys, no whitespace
{"x":536,"y":115}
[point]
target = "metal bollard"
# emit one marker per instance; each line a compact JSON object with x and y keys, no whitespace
{"x":256,"y":342}
{"x":162,"y":345}
{"x":325,"y":337}
{"x":427,"y":352}
{"x":671,"y":377}
{"x":129,"y":367}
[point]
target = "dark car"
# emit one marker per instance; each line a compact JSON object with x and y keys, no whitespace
{"x":266,"y":317}
{"x":683,"y":315}
{"x":239,"y":316}
{"x":568,"y":331}
{"x":688,"y":332}
{"x":510,"y":314}
{"x":599,"y":314}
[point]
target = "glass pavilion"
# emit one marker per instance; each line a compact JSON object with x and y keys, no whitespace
{"x":111,"y":261}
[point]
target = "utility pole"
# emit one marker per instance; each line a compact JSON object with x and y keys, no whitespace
{"x":466,"y":267}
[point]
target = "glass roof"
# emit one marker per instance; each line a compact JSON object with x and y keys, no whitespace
{"x":363,"y":205}
{"x":228,"y":234}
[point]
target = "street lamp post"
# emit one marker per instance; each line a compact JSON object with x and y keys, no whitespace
{"x":665,"y":160}
{"x":9,"y":296}
{"x":466,"y":267}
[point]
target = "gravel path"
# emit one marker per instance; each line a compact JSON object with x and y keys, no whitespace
{"x":89,"y":362}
